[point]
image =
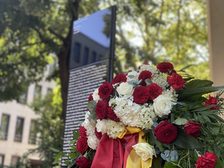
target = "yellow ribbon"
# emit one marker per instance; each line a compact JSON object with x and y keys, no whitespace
{"x":134,"y":160}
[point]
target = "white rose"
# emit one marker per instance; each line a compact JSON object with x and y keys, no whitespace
{"x":163,"y":104}
{"x":132,"y":76}
{"x":96,"y":96}
{"x":144,"y":150}
{"x":125,"y":89}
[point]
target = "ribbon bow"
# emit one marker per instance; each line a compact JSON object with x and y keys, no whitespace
{"x":118,"y":153}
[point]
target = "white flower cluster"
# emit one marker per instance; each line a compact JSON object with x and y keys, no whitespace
{"x":90,"y":124}
{"x":111,"y":128}
{"x":129,"y":112}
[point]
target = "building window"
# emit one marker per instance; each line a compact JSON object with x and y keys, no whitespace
{"x":19,"y":129}
{"x":15,"y":161}
{"x":2,"y":157}
{"x":37,"y":94}
{"x":77,"y":52}
{"x":33,"y":132}
{"x":4,"y":127}
{"x":86,"y":56}
{"x":93,"y":56}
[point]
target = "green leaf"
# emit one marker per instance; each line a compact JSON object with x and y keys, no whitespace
{"x":189,"y":92}
{"x":180,"y":121}
{"x":186,"y":141}
{"x":169,"y":165}
{"x":91,"y":106}
{"x":197,"y":83}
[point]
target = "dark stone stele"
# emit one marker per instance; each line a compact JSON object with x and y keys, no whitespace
{"x":92,"y":53}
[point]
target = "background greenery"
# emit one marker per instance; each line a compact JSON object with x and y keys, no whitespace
{"x":34,"y":33}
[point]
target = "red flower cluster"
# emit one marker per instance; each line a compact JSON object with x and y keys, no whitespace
{"x":212,"y":102}
{"x":103,"y":111}
{"x":119,"y":78}
{"x":81,"y":145}
{"x":83,"y":162}
{"x":82,"y":131}
{"x":98,"y":134}
{"x":207,"y":160}
{"x":176,"y":81}
{"x":165,"y":67}
{"x":165,"y":132}
{"x":143,"y":76}
{"x":105,"y":90}
{"x":142,"y":94}
{"x":192,"y":128}
{"x":90,"y":98}
{"x":154,"y":91}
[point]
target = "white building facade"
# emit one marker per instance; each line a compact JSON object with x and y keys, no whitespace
{"x":17,"y":125}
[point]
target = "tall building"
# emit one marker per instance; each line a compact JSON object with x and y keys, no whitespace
{"x":17,"y":125}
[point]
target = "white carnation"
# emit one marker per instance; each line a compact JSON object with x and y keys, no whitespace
{"x":144,"y":150}
{"x":96,"y":96}
{"x":125,"y":89}
{"x":111,"y":128}
{"x":160,"y":80}
{"x":148,"y":67}
{"x":163,"y":103}
{"x":93,"y":141}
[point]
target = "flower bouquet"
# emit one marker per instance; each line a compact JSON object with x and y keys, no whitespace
{"x":153,"y":117}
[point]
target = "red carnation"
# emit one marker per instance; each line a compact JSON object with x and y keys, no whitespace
{"x":176,"y":81}
{"x":141,"y":95}
{"x":165,"y":67}
{"x":154,"y":91}
{"x":98,"y":134}
{"x":145,"y":75}
{"x":90,"y":98}
{"x":212,"y":102}
{"x":105,"y":90}
{"x":81,"y":145}
{"x":101,"y":109}
{"x":82,"y":131}
{"x":111,"y":115}
{"x":207,"y":160}
{"x":83,"y":162}
{"x":165,"y":132}
{"x":192,"y":128}
{"x":119,"y":78}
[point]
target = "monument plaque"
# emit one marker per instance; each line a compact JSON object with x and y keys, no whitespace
{"x":91,"y":61}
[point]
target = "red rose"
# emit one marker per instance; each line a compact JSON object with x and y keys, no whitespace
{"x":119,"y":78}
{"x":207,"y":160}
{"x":82,"y":131}
{"x":111,"y":115}
{"x":154,"y":91}
{"x":105,"y":90}
{"x":81,"y":145}
{"x":176,"y":81}
{"x":145,"y":75}
{"x":192,"y":128}
{"x":90,"y":98}
{"x":83,"y":162}
{"x":212,"y":102}
{"x":98,"y":134}
{"x":165,"y":67}
{"x":165,"y":132}
{"x":141,"y":95}
{"x":101,"y":109}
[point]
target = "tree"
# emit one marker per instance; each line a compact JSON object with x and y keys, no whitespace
{"x":50,"y":128}
{"x":31,"y":31}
